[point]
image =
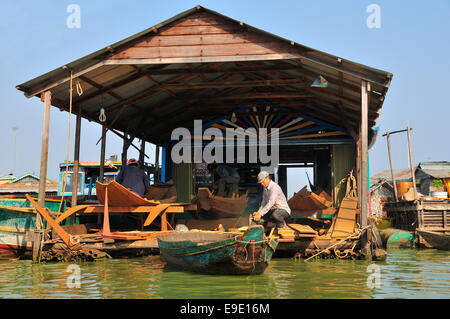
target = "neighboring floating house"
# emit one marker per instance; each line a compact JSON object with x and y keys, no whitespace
{"x":7,"y":178}
{"x":26,"y":184}
{"x":430,"y":178}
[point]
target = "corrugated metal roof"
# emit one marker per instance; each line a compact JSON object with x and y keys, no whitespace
{"x":436,"y":169}
{"x":399,"y":174}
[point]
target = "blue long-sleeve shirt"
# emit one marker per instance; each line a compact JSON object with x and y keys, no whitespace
{"x":134,"y":178}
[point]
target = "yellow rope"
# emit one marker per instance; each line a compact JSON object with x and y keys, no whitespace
{"x":358,"y":232}
{"x":63,"y":188}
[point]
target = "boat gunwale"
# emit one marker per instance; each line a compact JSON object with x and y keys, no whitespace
{"x":19,"y":209}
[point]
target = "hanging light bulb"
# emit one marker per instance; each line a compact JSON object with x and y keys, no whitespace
{"x":102,"y":117}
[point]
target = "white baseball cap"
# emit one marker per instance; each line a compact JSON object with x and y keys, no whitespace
{"x":262,"y":175}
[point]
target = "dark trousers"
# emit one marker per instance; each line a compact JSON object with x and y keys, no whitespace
{"x":276,"y":216}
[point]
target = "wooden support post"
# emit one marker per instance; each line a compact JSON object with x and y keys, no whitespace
{"x":102,"y":155}
{"x":364,"y":164}
{"x":125,"y":149}
{"x":411,"y":163}
{"x":142,"y":153}
{"x":388,"y":138}
{"x":157,"y":173}
{"x":106,"y":230}
{"x":37,"y":239}
{"x":76,"y":166}
{"x":44,"y":148}
{"x":358,"y":171}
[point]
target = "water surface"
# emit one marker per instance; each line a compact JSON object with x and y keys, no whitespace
{"x":404,"y":274}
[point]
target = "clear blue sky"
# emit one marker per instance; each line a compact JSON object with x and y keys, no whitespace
{"x":413,"y":43}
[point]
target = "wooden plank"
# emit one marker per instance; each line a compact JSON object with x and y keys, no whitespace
{"x":61,"y":232}
{"x":203,"y":39}
{"x":202,"y":18}
{"x":132,"y":209}
{"x":230,"y":84}
{"x":200,"y":29}
{"x":155,"y":213}
{"x":313,"y":135}
{"x":345,"y":221}
{"x":204,"y":50}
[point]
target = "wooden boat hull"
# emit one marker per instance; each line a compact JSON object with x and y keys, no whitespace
{"x":119,"y":195}
{"x":17,"y":217}
{"x":162,"y":192}
{"x":305,"y":203}
{"x":436,"y":240}
{"x":215,"y":207}
{"x":218,"y":253}
{"x":14,"y":224}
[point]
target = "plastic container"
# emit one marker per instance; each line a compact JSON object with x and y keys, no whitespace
{"x":439,"y":194}
{"x":402,"y":187}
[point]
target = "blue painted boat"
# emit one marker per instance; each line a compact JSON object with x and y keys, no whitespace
{"x":219,"y":252}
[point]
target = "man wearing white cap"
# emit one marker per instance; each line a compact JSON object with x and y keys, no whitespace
{"x":274,"y":206}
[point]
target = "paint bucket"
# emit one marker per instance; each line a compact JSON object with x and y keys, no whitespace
{"x":439,"y":194}
{"x":402,"y":187}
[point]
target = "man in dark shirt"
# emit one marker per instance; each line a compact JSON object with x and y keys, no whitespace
{"x":134,"y":178}
{"x":228,"y":179}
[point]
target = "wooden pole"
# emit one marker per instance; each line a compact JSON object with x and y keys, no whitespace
{"x":125,"y":149}
{"x":157,"y":177}
{"x":102,"y":155}
{"x":76,"y":160}
{"x":413,"y":177}
{"x":142,"y":153}
{"x":37,"y":240}
{"x":388,"y":136}
{"x":364,"y":166}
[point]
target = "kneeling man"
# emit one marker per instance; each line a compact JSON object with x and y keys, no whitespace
{"x":274,"y":206}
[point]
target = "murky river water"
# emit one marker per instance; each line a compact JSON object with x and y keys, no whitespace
{"x":404,"y":274}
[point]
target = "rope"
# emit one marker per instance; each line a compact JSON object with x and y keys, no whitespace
{"x":355,"y":235}
{"x":63,"y":188}
{"x":350,"y":189}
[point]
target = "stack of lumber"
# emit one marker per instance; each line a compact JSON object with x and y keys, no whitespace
{"x":296,"y":231}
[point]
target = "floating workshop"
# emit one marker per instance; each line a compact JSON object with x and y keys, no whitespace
{"x":201,"y":67}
